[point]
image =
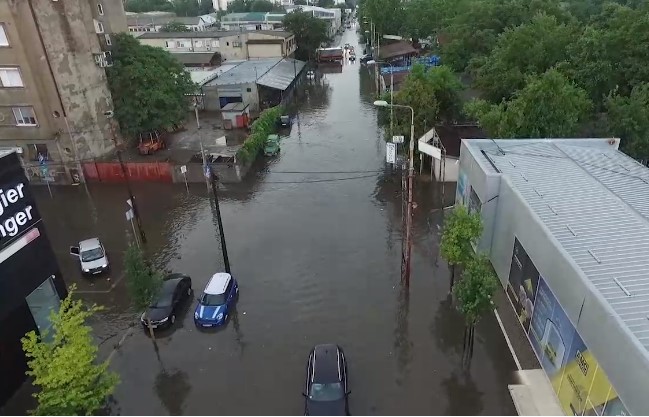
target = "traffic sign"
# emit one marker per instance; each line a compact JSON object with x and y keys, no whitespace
{"x":391,"y":152}
{"x":398,"y":139}
{"x":41,"y":159}
{"x":183,"y":169}
{"x":129,"y":202}
{"x":129,"y":215}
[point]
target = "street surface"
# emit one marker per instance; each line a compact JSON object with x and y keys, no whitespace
{"x":317,"y":257}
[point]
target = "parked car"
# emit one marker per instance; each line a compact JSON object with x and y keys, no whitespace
{"x":271,"y":148}
{"x":347,"y":46}
{"x":151,"y":142}
{"x":217,"y":301}
{"x":365,"y":58}
{"x":352,"y":58}
{"x":285,"y":120}
{"x":92,"y":256}
{"x":326,"y":392}
{"x":162,"y":312}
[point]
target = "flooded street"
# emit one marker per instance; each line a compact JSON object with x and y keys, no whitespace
{"x":314,"y":239}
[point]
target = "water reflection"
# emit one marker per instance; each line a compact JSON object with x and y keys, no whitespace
{"x":172,"y":387}
{"x":464,"y":398}
{"x":447,"y":328}
{"x":402,"y":342}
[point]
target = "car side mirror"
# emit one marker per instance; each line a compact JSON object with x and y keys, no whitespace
{"x":304,"y":394}
{"x":74,"y":250}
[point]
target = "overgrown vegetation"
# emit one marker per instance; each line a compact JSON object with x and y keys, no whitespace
{"x":265,"y":125}
{"x":63,"y":363}
{"x":543,"y":68}
{"x":148,"y":85}
{"x":180,"y":7}
{"x":310,"y":32}
{"x":460,"y":233}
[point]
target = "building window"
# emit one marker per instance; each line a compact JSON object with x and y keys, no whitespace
{"x":198,"y":44}
{"x":24,"y":116}
{"x":41,"y":302}
{"x":109,"y":42}
{"x":215,"y":44}
{"x":3,"y":36}
{"x":99,"y":27}
{"x":227,"y":44}
{"x":10,"y":77}
{"x":36,"y":149}
{"x":100,"y":9}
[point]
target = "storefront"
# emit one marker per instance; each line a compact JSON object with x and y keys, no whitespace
{"x":566,"y":228}
{"x":30,"y":281}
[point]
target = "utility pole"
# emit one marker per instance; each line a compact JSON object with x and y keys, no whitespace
{"x":411,"y":173}
{"x":224,"y":249}
{"x":118,"y":147}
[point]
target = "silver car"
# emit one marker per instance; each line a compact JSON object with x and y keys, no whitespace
{"x":92,"y":256}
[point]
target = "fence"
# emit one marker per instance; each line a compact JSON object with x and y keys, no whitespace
{"x":137,"y":171}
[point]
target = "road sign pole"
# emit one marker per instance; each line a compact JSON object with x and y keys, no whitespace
{"x":183,"y":170}
{"x":224,"y":249}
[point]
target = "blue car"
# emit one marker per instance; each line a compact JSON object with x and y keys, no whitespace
{"x":217,"y":301}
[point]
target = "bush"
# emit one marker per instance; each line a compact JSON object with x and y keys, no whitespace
{"x":265,"y":125}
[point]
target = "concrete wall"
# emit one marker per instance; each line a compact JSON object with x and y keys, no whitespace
{"x":212,"y":94}
{"x":506,"y":215}
{"x":450,"y":169}
{"x":265,"y":50}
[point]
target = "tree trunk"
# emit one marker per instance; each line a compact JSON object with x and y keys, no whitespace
{"x":452,"y":278}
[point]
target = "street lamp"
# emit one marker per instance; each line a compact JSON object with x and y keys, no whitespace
{"x":373,"y":62}
{"x":405,"y":270}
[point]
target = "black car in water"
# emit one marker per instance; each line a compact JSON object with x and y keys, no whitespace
{"x":326,"y":389}
{"x":162,"y":312}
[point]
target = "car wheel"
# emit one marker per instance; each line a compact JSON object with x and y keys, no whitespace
{"x":173,"y":318}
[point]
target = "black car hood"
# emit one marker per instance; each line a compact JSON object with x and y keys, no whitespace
{"x":156,"y":314}
{"x":326,"y":408}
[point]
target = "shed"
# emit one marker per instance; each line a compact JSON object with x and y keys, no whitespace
{"x":396,"y":50}
{"x":235,"y":115}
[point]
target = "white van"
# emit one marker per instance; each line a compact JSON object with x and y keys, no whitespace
{"x":92,"y":256}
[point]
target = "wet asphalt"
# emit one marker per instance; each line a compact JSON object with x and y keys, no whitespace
{"x":314,"y":238}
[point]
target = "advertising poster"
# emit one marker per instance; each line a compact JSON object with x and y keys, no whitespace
{"x":581,"y":385}
{"x":462,"y":185}
{"x":521,"y":288}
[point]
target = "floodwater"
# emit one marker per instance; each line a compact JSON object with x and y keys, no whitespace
{"x":314,"y":239}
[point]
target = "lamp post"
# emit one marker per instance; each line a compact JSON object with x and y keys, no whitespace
{"x":405,"y":267}
{"x":373,"y":62}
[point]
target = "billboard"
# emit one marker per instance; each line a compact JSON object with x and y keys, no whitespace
{"x":462,"y":188}
{"x":581,"y":385}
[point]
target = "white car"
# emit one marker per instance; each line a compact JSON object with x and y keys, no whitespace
{"x":92,"y":256}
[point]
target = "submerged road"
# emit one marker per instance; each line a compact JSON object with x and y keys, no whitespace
{"x":314,"y":241}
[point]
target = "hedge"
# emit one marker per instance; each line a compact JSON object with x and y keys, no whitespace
{"x":265,"y":125}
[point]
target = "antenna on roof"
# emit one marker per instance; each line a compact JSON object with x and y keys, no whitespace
{"x":502,"y":152}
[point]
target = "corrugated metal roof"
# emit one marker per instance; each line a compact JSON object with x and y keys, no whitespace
{"x":597,"y":208}
{"x":201,"y":77}
{"x":245,"y":72}
{"x":189,"y":58}
{"x":282,"y":75}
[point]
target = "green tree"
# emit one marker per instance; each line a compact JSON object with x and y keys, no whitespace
{"x":148,"y":86}
{"x":628,"y":118}
{"x":310,"y":32}
{"x":387,"y":16}
{"x":528,"y":49}
{"x":474,"y":293}
{"x":64,"y":365}
{"x":460,"y":233}
{"x":142,"y":6}
{"x":142,"y":280}
{"x":175,"y":26}
{"x":549,"y":106}
{"x":262,"y":6}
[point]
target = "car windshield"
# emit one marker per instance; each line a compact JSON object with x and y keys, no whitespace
{"x":92,"y":255}
{"x":162,"y":302}
{"x":326,"y":392}
{"x":213,"y":299}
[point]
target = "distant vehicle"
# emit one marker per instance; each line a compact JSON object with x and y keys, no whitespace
{"x":348,"y":26}
{"x":365,"y":58}
{"x":271,"y":148}
{"x":92,"y":256}
{"x":352,"y":57}
{"x":310,"y":74}
{"x":175,"y":289}
{"x":347,"y":46}
{"x":285,"y":120}
{"x":217,"y":301}
{"x":326,"y":391}
{"x":151,"y":142}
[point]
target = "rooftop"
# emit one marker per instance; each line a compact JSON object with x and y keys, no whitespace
{"x":160,"y":20}
{"x":597,"y":210}
{"x":234,"y":107}
{"x":282,"y":74}
{"x":245,"y":72}
{"x":201,"y":77}
{"x":195,"y":58}
{"x":218,"y":283}
{"x":396,"y":49}
{"x":245,"y":17}
{"x":186,"y":35}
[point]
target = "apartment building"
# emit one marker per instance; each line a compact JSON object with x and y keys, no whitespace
{"x":230,"y":45}
{"x":54,"y":96}
{"x":146,"y":22}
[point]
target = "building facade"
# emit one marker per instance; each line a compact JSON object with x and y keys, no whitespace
{"x":332,"y":16}
{"x":54,"y":94}
{"x":30,"y":280}
{"x":566,"y":227}
{"x":252,"y":21}
{"x":143,"y":23}
{"x":230,"y":45}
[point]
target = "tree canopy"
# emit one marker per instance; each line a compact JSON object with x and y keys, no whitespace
{"x":148,"y":86}
{"x":475,"y":290}
{"x":175,"y":26}
{"x":310,"y":32}
{"x":180,"y":7}
{"x":549,"y":106}
{"x":460,"y":232}
{"x":63,"y":363}
{"x":143,"y":282}
{"x":245,"y":6}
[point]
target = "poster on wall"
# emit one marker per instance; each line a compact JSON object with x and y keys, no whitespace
{"x":521,"y":287}
{"x":580,"y":384}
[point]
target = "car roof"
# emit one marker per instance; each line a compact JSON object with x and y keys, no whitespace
{"x":218,"y":283}
{"x":89,"y":244}
{"x":325,"y":367}
{"x":169,"y":286}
